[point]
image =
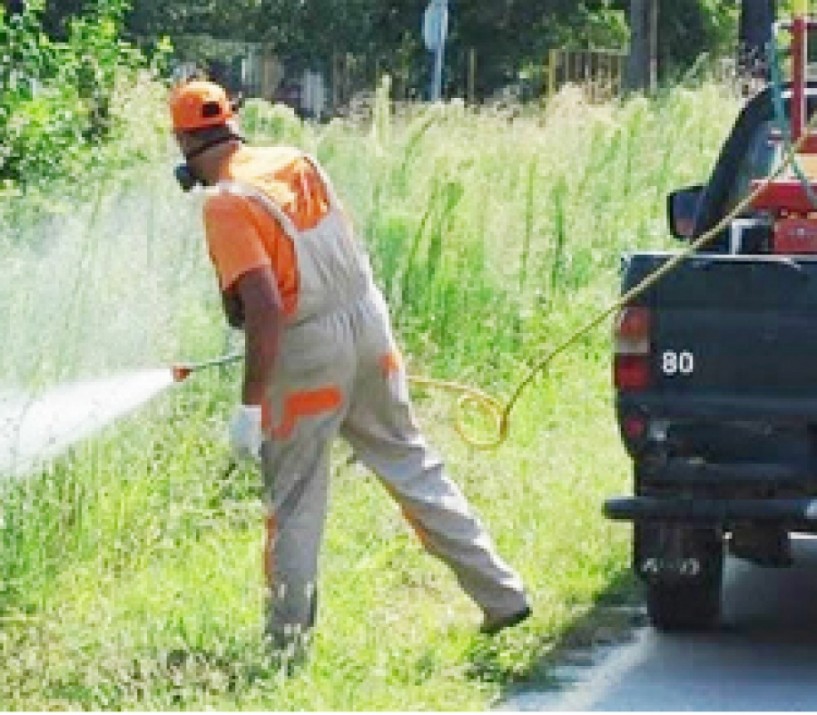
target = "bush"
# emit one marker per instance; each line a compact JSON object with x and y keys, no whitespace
{"x":55,"y":97}
{"x":261,"y":120}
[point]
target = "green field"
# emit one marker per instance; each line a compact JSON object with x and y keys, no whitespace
{"x":130,"y":572}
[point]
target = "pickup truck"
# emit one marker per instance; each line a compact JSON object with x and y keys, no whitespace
{"x":715,"y":370}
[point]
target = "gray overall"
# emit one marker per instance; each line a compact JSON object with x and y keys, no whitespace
{"x":339,"y":371}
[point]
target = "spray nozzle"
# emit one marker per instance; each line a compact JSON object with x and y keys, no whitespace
{"x":181,"y":371}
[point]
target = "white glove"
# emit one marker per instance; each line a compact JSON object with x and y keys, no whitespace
{"x":246,"y":435}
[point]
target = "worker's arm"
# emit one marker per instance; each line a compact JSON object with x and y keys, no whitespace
{"x":257,"y":290}
{"x":232,"y":307}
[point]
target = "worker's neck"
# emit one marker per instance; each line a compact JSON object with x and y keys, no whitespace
{"x":208,"y":165}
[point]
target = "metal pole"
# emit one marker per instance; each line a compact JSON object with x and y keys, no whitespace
{"x":553,"y":59}
{"x":439,"y":54}
{"x":472,"y":75}
{"x":799,"y":58}
{"x":437,"y":77}
{"x":652,"y":29}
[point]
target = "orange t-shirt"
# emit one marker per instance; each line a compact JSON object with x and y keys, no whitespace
{"x":241,"y":235}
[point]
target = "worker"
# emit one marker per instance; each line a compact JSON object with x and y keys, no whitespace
{"x":320,"y":360}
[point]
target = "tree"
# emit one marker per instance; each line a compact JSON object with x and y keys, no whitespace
{"x":14,"y":7}
{"x":642,"y":68}
{"x":57,"y":14}
{"x":508,"y":35}
{"x":755,"y":32}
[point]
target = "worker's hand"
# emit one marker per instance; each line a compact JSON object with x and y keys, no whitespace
{"x":246,"y":435}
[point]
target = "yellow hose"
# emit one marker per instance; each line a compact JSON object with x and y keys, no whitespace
{"x":500,"y":413}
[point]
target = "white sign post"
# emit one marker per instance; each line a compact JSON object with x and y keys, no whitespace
{"x":435,"y":32}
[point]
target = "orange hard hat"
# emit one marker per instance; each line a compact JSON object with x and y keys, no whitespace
{"x":199,"y":104}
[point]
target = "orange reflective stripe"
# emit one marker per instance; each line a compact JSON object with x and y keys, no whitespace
{"x":391,"y":363}
{"x":271,"y":524}
{"x":311,"y":203}
{"x":422,"y":534}
{"x":306,"y":403}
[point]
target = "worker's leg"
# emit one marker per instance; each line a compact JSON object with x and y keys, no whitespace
{"x":381,"y":429}
{"x":306,"y":404}
{"x":296,"y":476}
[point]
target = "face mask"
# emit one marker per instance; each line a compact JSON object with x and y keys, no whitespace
{"x":184,"y":174}
{"x":186,"y":178}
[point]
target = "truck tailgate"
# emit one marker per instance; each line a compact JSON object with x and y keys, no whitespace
{"x":736,"y":333}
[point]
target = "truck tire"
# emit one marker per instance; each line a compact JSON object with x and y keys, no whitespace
{"x":684,"y":606}
{"x":690,"y":604}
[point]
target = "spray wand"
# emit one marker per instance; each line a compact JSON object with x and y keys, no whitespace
{"x":181,"y":371}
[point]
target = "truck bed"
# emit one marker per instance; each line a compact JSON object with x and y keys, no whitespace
{"x":733,"y":337}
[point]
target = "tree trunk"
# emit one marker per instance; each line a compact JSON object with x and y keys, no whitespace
{"x":15,"y":7}
{"x":642,"y":71}
{"x":756,"y":18}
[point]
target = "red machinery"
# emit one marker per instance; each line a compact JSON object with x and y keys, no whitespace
{"x":791,"y":200}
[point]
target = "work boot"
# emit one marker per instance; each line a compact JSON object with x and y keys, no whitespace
{"x":494,"y":624}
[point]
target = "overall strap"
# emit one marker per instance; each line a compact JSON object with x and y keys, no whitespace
{"x":237,"y":188}
{"x":334,"y":201}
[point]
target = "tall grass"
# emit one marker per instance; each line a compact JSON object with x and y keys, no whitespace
{"x":104,"y":273}
{"x":460,"y":208}
{"x":131,"y":570}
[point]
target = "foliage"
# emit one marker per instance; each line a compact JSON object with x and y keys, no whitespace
{"x":276,"y":122}
{"x":308,"y":30}
{"x":56,"y":96}
{"x":507,"y":36}
{"x":690,"y":29}
{"x":28,"y":56}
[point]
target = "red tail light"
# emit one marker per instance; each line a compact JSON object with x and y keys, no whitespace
{"x":634,"y":427}
{"x":631,"y":366}
{"x":632,"y":372}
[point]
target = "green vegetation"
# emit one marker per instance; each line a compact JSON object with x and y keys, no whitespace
{"x":58,"y":97}
{"x":510,"y":38}
{"x":130,"y":572}
{"x":101,"y":272}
